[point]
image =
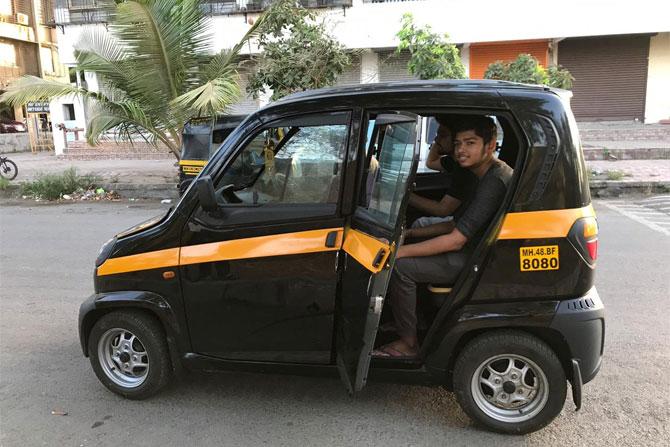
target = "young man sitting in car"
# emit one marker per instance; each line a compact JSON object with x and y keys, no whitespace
{"x":461,"y":181}
{"x":442,"y":257}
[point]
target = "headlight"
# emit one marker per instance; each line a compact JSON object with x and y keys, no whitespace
{"x":105,"y":251}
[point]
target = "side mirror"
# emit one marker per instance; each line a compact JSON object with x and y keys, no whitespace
{"x":206,"y":193}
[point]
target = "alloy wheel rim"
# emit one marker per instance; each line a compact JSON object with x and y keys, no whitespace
{"x":123,"y":358}
{"x":510,"y":388}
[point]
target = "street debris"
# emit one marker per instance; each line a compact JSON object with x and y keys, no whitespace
{"x":91,"y":195}
{"x":59,"y":412}
{"x":165,"y":201}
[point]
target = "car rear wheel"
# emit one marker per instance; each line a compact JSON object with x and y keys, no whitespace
{"x":129,"y":354}
{"x":509,"y":381}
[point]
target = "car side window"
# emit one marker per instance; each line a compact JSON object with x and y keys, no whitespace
{"x":391,"y":140}
{"x":293,"y":162}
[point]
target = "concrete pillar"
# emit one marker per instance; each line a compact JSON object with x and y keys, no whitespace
{"x":369,"y":67}
{"x":465,"y":58}
{"x":657,"y":105}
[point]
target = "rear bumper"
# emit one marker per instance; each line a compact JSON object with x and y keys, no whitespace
{"x":581,"y":322}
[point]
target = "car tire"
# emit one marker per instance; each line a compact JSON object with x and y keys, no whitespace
{"x":510,"y":382}
{"x":129,"y":353}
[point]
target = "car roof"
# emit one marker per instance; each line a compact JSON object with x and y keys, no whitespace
{"x":485,"y":85}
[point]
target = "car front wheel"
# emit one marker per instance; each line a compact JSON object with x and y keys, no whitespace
{"x":129,"y":354}
{"x":510,"y":382}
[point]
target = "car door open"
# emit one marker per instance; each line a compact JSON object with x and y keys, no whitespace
{"x":390,"y":156}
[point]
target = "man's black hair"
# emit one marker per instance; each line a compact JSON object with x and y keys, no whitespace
{"x":484,"y":127}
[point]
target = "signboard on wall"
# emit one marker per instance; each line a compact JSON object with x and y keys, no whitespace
{"x":38,"y":107}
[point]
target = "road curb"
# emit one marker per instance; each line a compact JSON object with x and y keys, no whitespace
{"x":613,"y":188}
{"x":599,"y":188}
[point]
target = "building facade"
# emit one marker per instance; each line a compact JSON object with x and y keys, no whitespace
{"x":29,"y":46}
{"x":618,"y":51}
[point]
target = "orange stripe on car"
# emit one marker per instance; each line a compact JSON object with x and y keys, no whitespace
{"x":365,"y":248}
{"x":542,"y":224}
{"x":143,"y":261}
{"x":312,"y":241}
{"x":362,"y":247}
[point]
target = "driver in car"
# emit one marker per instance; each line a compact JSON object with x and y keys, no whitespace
{"x":442,"y":257}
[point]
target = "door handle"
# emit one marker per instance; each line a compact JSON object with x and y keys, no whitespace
{"x":379,"y":258}
{"x":331,"y":239}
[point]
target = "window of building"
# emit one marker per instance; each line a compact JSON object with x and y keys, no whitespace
{"x":7,"y":55}
{"x":47,"y":60}
{"x":68,"y":112}
{"x":6,"y":8}
{"x":73,"y":75}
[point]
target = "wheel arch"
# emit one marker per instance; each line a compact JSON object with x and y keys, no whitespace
{"x":148,"y":303}
{"x":551,"y":337}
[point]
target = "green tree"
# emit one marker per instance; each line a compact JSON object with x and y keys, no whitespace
{"x":297,"y":53}
{"x":432,"y":56}
{"x":155,"y":69}
{"x":526,"y":69}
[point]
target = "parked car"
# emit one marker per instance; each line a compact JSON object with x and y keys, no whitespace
{"x":200,"y":140}
{"x":12,"y":126}
{"x":278,"y":257}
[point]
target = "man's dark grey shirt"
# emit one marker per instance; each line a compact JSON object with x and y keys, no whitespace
{"x":479,"y":210}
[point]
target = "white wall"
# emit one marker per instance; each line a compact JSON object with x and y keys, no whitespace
{"x":658,"y":79}
{"x":374,"y":25}
{"x":14,"y":142}
{"x":58,"y":117}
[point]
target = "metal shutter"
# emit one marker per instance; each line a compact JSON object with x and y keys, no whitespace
{"x":610,"y":76}
{"x":393,"y":67}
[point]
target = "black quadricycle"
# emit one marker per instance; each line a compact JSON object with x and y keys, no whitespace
{"x":279,"y":257}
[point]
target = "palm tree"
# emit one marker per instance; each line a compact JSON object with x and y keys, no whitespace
{"x":156,"y":69}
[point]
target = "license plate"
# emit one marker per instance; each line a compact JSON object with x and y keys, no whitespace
{"x":533,"y":259}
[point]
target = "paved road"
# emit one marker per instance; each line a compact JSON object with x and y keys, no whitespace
{"x":46,"y":255}
{"x":653,"y":212}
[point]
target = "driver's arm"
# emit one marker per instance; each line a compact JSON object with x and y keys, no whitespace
{"x":453,"y":241}
{"x":443,"y":208}
{"x":433,"y":230}
{"x":435,"y":153}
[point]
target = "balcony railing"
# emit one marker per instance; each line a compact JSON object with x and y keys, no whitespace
{"x":72,"y":12}
{"x":390,"y":1}
{"x":46,"y":13}
{"x":220,"y":7}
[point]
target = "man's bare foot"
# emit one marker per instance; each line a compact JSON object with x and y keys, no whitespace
{"x":398,"y":349}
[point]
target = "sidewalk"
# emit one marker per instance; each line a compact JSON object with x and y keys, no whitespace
{"x":158,"y":178}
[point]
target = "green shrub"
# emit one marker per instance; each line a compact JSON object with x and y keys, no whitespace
{"x":615,"y":174}
{"x":4,"y":183}
{"x":496,"y":70}
{"x":526,"y":69}
{"x":559,"y":77}
{"x":53,"y":186}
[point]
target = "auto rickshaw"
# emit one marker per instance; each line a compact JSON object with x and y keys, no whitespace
{"x":278,"y":258}
{"x":200,"y":139}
